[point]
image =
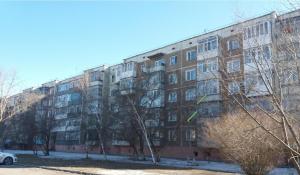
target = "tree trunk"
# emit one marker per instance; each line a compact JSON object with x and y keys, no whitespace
{"x":102,"y":145}
{"x":86,"y":146}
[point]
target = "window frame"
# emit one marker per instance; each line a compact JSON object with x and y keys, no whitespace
{"x":172,"y":62}
{"x":231,"y":66}
{"x":172,"y":97}
{"x":189,"y":55}
{"x":188,"y":74}
{"x":190,"y":94}
{"x":175,"y":78}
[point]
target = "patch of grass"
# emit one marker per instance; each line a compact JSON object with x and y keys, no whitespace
{"x":88,"y":163}
{"x":89,"y":166}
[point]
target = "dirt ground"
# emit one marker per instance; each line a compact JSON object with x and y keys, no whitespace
{"x":28,"y":164}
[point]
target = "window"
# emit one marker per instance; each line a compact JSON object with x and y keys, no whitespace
{"x":208,"y":87}
{"x":190,"y":94}
{"x":212,"y":87}
{"x":173,"y":78}
{"x":267,"y":52}
{"x":191,"y":55}
{"x":173,"y":60}
{"x":266,"y":27}
{"x":160,"y":62}
{"x":94,"y":76}
{"x":290,"y":76}
{"x":212,"y":65}
{"x":261,"y":29}
{"x":172,"y":116}
{"x":233,"y":66}
{"x":113,"y":78}
{"x":143,"y":67}
{"x":64,"y":87}
{"x":190,"y":75}
{"x":126,"y":84}
{"x":119,"y":70}
{"x":190,"y":135}
{"x":256,"y":30}
{"x":208,"y":44}
{"x":128,"y":66}
{"x":62,"y":100}
{"x":208,"y":66}
{"x":250,"y":83}
{"x":172,"y":97}
{"x":113,"y":92}
{"x":233,"y":87}
{"x":114,"y":108}
{"x":154,"y":79}
{"x":248,"y":56}
{"x":172,"y":135}
{"x":233,"y":44}
{"x":260,"y":54}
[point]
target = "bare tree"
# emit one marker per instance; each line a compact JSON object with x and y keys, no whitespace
{"x":7,"y":86}
{"x":84,"y":122}
{"x":242,"y":141}
{"x":45,"y":124}
{"x":20,"y":108}
{"x":271,"y":69}
{"x":146,"y":104}
{"x":92,"y":111}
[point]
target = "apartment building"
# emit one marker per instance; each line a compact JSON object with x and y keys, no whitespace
{"x":179,"y":87}
{"x":76,"y":99}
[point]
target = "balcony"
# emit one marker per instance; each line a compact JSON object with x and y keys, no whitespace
{"x":156,"y":142}
{"x":208,"y":48}
{"x":127,"y":91}
{"x":119,"y":142}
{"x":157,"y":68}
{"x":65,"y":128}
{"x":60,"y":116}
{"x":151,"y":123}
{"x":128,"y":74}
{"x":127,"y":86}
{"x":257,"y":34}
{"x":96,"y":83}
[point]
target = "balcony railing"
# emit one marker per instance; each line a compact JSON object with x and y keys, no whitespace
{"x":119,"y":142}
{"x":157,"y":68}
{"x":128,"y":74}
{"x":60,"y":116}
{"x":127,"y":91}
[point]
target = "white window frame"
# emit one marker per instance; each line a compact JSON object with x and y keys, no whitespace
{"x":208,"y":44}
{"x":189,"y":55}
{"x":233,"y":44}
{"x":173,"y":60}
{"x":233,"y":66}
{"x":259,"y":29}
{"x":189,"y":73}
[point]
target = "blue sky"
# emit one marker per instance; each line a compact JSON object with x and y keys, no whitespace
{"x":49,"y":40}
